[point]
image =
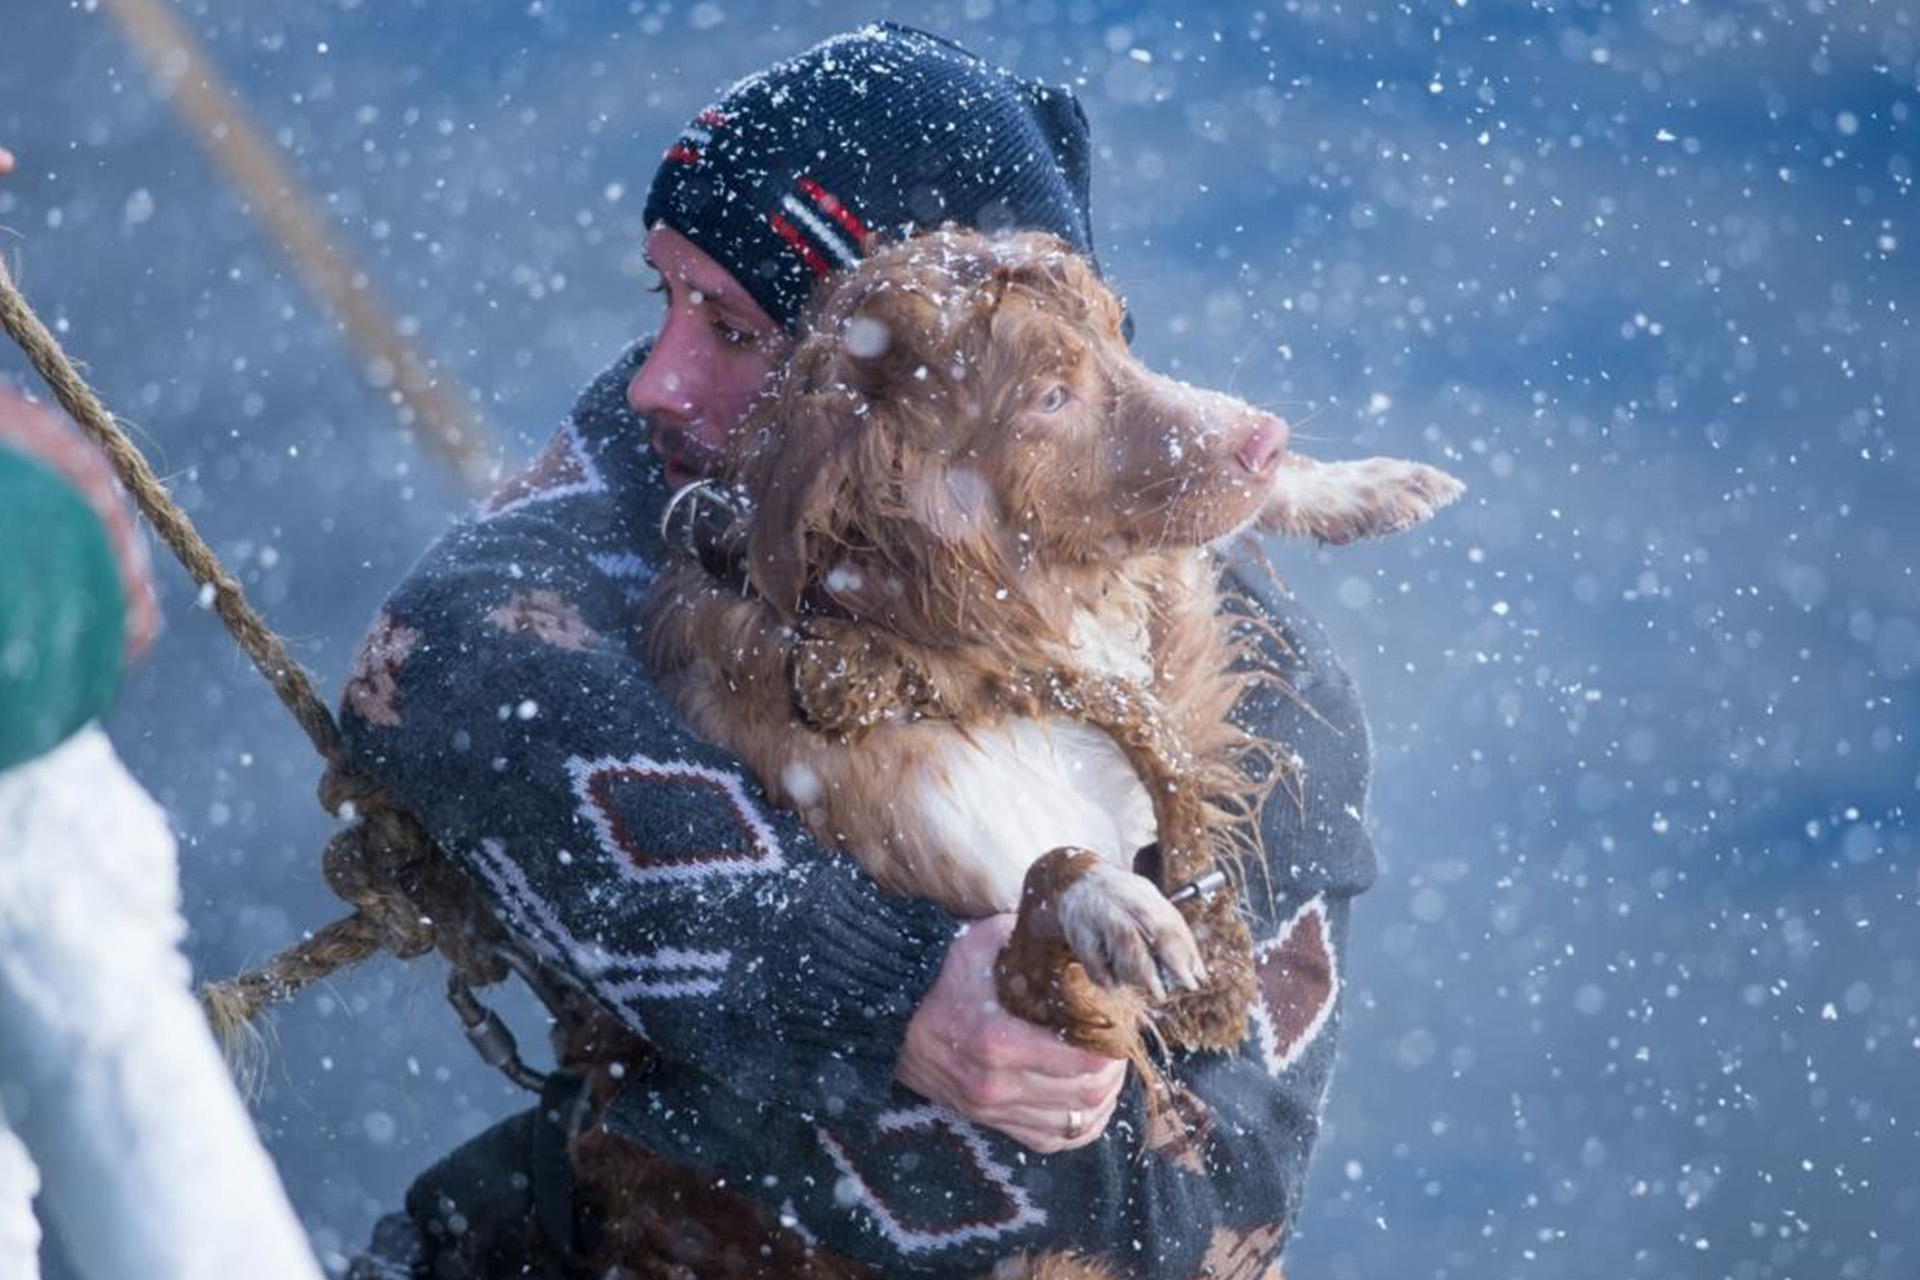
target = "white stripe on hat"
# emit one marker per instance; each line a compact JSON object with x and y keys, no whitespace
{"x":821,"y":231}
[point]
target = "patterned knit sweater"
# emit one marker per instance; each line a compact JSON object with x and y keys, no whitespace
{"x":498,"y":696}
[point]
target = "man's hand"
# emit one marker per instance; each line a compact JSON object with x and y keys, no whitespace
{"x":964,"y":1050}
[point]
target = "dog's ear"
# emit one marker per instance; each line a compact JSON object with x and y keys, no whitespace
{"x":893,"y":337}
{"x":794,"y":470}
{"x":1044,"y":266}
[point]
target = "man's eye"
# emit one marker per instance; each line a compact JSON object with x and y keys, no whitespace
{"x":1054,"y":401}
{"x":731,"y":336}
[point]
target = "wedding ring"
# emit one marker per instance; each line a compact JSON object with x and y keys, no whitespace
{"x":1076,"y":1122}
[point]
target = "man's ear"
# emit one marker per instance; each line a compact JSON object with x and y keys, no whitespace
{"x":795,"y":473}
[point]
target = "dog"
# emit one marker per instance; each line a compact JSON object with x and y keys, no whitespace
{"x":968,"y":625}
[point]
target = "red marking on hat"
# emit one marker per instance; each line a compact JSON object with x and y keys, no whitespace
{"x":835,"y":210}
{"x":681,"y":153}
{"x":795,"y":241}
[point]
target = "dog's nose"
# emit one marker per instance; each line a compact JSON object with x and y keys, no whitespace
{"x":1262,"y":446}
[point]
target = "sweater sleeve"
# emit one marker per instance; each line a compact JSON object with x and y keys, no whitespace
{"x":496,"y":698}
{"x":910,"y":1186}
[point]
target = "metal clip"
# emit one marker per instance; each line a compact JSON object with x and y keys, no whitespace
{"x":1205,"y":887}
{"x":490,"y":1037}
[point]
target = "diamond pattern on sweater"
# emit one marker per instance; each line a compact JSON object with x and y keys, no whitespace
{"x":1299,"y":982}
{"x":923,"y":1202}
{"x":548,"y":617}
{"x":1241,"y":1254}
{"x":698,"y":821}
{"x":373,"y":685}
{"x":562,"y":470}
{"x":618,"y":977}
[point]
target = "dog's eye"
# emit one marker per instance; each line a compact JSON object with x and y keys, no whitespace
{"x":1055,"y":400}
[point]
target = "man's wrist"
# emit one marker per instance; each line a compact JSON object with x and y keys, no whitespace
{"x":871,"y":960}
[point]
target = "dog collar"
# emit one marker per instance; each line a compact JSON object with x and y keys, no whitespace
{"x":699,"y":520}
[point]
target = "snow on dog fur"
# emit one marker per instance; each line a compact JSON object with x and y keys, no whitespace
{"x":971,"y":630}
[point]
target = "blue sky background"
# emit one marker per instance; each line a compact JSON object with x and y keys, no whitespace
{"x":1637,"y":992}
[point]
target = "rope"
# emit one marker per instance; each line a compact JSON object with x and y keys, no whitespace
{"x":269,"y":653}
{"x":384,"y":865}
{"x":214,"y":115}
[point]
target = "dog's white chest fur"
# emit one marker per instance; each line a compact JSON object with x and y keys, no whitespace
{"x":1000,"y":797}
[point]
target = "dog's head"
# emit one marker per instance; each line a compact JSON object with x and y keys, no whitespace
{"x":960,"y":416}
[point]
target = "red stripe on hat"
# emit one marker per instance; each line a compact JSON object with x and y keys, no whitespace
{"x":795,"y":241}
{"x":835,"y":210}
{"x":711,"y":118}
{"x":681,"y":153}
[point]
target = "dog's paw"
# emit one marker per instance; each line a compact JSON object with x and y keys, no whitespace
{"x":1340,"y":502}
{"x":845,"y":680}
{"x":1125,"y":932}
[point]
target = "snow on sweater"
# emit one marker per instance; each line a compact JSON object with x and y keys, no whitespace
{"x":499,"y":697}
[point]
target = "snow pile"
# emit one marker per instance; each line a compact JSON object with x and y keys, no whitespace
{"x":107,"y":1070}
{"x":19,"y":1184}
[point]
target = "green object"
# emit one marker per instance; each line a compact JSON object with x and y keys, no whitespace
{"x":62,"y":611}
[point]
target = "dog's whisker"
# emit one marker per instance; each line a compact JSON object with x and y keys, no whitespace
{"x":1234,"y":366}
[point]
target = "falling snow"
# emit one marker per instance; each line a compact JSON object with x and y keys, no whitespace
{"x":1636,"y":993}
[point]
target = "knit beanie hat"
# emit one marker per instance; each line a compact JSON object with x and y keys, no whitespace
{"x":882,"y":130}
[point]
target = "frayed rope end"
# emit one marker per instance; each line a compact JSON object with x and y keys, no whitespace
{"x":230,"y":1012}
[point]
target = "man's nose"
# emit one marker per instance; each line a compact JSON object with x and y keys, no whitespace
{"x":662,"y":384}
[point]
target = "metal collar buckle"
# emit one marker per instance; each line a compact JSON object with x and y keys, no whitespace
{"x":696,"y":513}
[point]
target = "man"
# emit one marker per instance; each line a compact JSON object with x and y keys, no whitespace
{"x":802,"y":1019}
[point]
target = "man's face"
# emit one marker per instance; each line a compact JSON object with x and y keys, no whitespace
{"x":709,"y":361}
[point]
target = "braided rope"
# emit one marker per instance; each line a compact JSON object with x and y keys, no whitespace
{"x":269,"y":653}
{"x":384,"y":865}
